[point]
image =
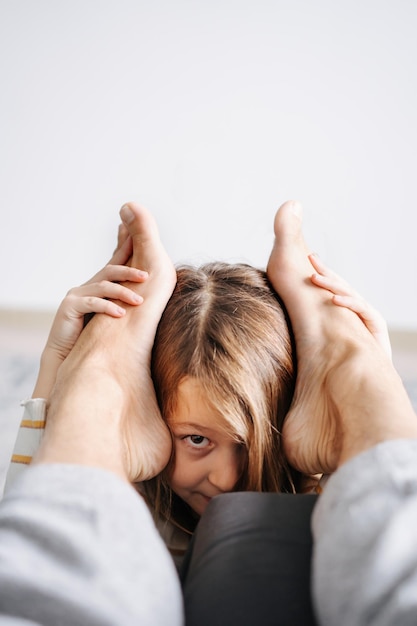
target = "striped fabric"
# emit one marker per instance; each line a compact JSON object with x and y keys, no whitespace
{"x":29,"y":436}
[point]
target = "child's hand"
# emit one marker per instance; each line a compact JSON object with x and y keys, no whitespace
{"x":91,"y":297}
{"x":345,"y":296}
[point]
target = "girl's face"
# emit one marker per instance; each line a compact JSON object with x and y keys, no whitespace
{"x":208,"y":461}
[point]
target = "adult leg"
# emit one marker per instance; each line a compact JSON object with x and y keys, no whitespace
{"x":103,"y":410}
{"x":77,"y":543}
{"x":352,"y":414}
{"x":341,"y":407}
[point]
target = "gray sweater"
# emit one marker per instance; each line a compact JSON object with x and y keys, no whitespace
{"x":365,"y":534}
{"x":78,"y":547}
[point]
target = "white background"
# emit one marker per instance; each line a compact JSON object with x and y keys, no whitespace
{"x":211,"y":113}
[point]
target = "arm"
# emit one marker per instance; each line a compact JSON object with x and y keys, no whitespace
{"x":365,"y":566}
{"x":352,"y":417}
{"x":91,"y":297}
{"x":77,"y":544}
{"x":94,"y":296}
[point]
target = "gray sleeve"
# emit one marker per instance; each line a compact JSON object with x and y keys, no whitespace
{"x":365,"y":535}
{"x":78,"y":546}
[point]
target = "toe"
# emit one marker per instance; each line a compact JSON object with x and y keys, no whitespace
{"x":141,"y":226}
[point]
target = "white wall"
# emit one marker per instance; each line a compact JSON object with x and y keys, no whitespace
{"x":211,"y":113}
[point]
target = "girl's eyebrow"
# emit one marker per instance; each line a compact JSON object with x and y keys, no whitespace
{"x":188,"y":426}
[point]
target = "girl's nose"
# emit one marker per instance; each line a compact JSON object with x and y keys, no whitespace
{"x":224,"y":472}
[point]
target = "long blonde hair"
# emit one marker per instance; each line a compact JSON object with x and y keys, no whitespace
{"x":226,"y":327}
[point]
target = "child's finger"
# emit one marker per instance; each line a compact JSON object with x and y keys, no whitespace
{"x":119,"y":273}
{"x":328,"y":279}
{"x":372,"y":319}
{"x":323,"y":269}
{"x":320,"y":266}
{"x":102,"y":289}
{"x":332,"y":283}
{"x":358,"y":306}
{"x":81,"y":306}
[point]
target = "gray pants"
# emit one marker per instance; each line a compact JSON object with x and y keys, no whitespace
{"x":250,"y":562}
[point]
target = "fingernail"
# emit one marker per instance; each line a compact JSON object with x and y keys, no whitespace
{"x":297,"y":208}
{"x":126,"y":214}
{"x":137,"y":298}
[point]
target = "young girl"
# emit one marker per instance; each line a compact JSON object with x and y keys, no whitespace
{"x":223,"y":369}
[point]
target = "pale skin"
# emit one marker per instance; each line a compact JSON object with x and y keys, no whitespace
{"x":345,"y":296}
{"x":94,"y":296}
{"x":103,"y":411}
{"x":208,"y":460}
{"x":348,"y":396}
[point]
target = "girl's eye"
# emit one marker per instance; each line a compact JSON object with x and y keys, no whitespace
{"x":197,"y":441}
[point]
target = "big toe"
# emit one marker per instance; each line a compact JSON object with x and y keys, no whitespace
{"x":143,"y":230}
{"x":289,"y":252}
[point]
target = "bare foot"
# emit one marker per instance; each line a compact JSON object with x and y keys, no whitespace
{"x":347,"y":390}
{"x":104,"y":410}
